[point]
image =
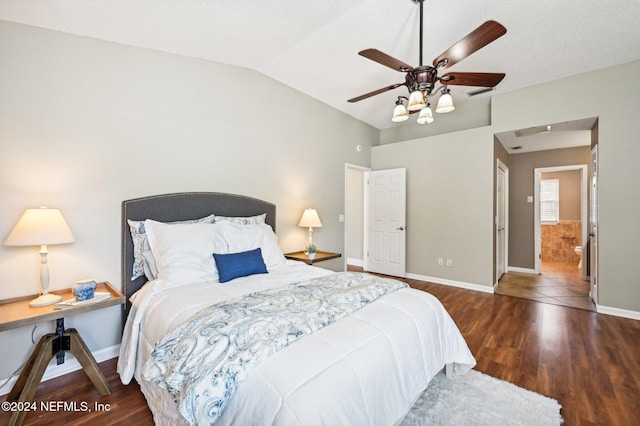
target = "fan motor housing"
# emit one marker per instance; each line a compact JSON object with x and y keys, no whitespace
{"x":422,"y":78}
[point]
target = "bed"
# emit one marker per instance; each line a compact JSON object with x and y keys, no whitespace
{"x":363,"y":361}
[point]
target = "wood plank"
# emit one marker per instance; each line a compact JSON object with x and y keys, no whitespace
{"x":16,"y":312}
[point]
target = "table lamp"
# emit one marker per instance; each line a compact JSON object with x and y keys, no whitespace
{"x":311,"y":220}
{"x":41,"y":227}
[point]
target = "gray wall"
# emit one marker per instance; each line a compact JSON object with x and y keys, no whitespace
{"x":449,"y":203}
{"x":86,"y":124}
{"x":570,"y":187}
{"x":619,"y":175}
{"x":473,"y":115}
{"x":521,"y":185}
{"x":430,"y":165}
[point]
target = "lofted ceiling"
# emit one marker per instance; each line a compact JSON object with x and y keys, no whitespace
{"x":312,"y":46}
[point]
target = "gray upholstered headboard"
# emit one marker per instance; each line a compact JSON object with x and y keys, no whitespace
{"x":180,"y":206}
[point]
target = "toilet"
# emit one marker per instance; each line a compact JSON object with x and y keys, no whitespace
{"x":578,"y":250}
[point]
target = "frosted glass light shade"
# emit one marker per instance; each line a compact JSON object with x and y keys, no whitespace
{"x":416,"y":101}
{"x":445,"y":104}
{"x":425,"y":116}
{"x":38,"y":227}
{"x":399,"y":113}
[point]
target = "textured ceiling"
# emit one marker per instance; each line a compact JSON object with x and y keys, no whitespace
{"x":312,"y":45}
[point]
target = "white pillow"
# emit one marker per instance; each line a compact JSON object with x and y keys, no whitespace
{"x":184,"y":252}
{"x":141,"y":245}
{"x":248,"y":237}
{"x":240,"y":220}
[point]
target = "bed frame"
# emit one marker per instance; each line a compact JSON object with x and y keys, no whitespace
{"x":175,"y":207}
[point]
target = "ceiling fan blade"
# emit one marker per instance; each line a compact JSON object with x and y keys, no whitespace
{"x":474,"y":41}
{"x":375,"y":92}
{"x":386,"y":60}
{"x":482,"y":79}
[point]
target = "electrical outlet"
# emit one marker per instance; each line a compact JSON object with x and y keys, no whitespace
{"x":440,"y":261}
{"x":449,"y":263}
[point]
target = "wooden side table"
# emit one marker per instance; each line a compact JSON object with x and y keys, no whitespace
{"x":16,"y":313}
{"x":320,"y":256}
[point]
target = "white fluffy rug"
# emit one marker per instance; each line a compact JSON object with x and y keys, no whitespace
{"x":478,"y":399}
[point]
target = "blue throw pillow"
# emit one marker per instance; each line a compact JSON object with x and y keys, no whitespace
{"x":234,"y":265}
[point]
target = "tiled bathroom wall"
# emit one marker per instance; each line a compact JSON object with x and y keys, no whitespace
{"x":558,"y":241}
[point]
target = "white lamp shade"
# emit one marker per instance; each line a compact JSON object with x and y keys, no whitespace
{"x":399,"y":114}
{"x":425,"y":116}
{"x":310,"y":219}
{"x":39,"y":227}
{"x":445,"y":104}
{"x":416,"y":101}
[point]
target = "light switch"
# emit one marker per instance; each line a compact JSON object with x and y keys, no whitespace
{"x":529,"y":198}
{"x":340,"y":218}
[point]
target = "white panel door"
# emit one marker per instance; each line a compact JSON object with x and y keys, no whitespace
{"x":386,"y":217}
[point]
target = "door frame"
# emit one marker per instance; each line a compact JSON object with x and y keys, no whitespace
{"x":501,"y":166}
{"x":594,"y":286}
{"x":362,"y":169}
{"x":536,"y":208}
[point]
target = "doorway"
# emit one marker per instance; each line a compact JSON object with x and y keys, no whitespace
{"x":547,"y":145}
{"x":354,"y":215}
{"x":502,"y":219}
{"x":565,"y":230}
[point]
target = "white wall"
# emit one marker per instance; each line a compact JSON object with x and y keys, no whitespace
{"x":449,"y":203}
{"x":86,"y":124}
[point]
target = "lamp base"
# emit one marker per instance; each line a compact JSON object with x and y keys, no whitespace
{"x":45,"y":299}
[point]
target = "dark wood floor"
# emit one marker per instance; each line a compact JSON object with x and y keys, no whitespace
{"x":589,"y":362}
{"x":558,"y":284}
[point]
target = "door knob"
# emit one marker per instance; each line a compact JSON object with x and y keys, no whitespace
{"x":400,"y":229}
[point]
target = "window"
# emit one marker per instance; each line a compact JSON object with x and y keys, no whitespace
{"x":550,"y":201}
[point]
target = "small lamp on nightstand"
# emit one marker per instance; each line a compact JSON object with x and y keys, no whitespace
{"x":41,"y":227}
{"x":311,"y":220}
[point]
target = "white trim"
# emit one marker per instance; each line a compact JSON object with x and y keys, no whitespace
{"x":536,"y":207}
{"x":70,"y":364}
{"x":452,"y":283}
{"x":624,"y":313}
{"x":355,"y":262}
{"x":523,"y":270}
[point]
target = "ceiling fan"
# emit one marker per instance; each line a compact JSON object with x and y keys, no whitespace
{"x":421,"y":80}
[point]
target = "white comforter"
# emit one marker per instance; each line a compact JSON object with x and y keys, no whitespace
{"x":365,"y":369}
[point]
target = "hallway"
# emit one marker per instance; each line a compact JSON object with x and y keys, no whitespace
{"x":558,"y":284}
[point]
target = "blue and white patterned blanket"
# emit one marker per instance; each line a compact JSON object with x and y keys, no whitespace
{"x":202,"y":362}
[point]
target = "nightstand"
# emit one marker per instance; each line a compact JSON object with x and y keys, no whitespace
{"x":320,"y":256}
{"x":16,"y":313}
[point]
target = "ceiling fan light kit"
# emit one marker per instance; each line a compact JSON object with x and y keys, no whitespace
{"x":400,"y":113}
{"x":421,"y":81}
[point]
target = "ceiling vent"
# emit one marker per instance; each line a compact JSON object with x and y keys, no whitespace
{"x":480,"y":91}
{"x":533,"y":131}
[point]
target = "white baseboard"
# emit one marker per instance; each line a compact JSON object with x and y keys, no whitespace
{"x":624,"y":313}
{"x":523,"y":270}
{"x":355,"y":262}
{"x":70,"y":364}
{"x":452,"y":283}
